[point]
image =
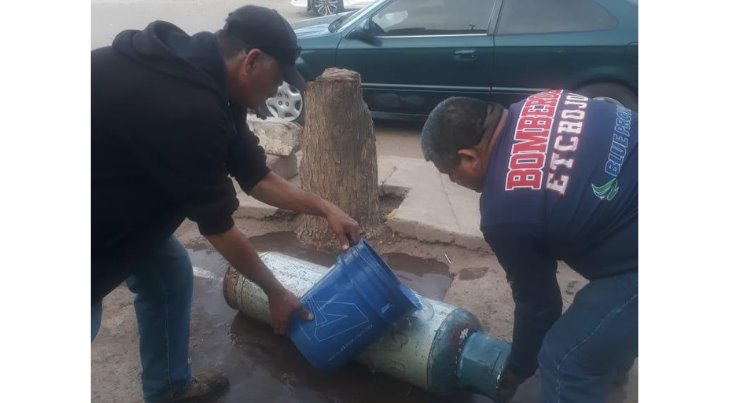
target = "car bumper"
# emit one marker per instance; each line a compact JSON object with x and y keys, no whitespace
{"x":300,"y":3}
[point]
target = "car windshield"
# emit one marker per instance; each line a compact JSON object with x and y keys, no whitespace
{"x":346,"y":19}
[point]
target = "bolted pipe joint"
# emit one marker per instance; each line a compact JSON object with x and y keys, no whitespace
{"x":482,"y":360}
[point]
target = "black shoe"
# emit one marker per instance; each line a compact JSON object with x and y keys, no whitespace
{"x":203,"y":388}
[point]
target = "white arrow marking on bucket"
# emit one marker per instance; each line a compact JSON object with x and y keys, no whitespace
{"x":335,"y":318}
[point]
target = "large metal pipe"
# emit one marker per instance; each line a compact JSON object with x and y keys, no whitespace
{"x":439,"y":348}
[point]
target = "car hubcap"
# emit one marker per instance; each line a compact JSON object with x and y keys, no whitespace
{"x":286,"y":104}
{"x":325,"y":7}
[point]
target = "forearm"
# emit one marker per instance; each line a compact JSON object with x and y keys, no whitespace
{"x":531,"y":324}
{"x":238,"y":250}
{"x":277,"y":192}
{"x":274,"y":190}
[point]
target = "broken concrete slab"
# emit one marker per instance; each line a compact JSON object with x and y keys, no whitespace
{"x":277,"y":136}
{"x":409,"y":173}
{"x":467,"y":213}
{"x":434,"y":209}
{"x":285,"y":167}
{"x":386,"y":166}
{"x":473,"y":241}
{"x":424,"y":216}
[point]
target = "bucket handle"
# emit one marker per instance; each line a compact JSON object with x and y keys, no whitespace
{"x":350,"y":240}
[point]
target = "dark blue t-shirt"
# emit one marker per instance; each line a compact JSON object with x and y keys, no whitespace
{"x":562,"y":184}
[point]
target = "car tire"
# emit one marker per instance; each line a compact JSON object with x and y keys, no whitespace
{"x":288,"y":104}
{"x":326,"y":7}
{"x":613,"y":93}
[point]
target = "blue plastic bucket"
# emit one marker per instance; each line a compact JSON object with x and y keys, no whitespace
{"x":354,"y":304}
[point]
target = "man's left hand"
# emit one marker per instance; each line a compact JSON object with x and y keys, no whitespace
{"x":508,"y":384}
{"x":342,"y":225}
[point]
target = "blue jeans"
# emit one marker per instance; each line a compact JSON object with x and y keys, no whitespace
{"x":163,"y":286}
{"x":594,"y":341}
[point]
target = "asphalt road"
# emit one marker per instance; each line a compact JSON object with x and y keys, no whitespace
{"x":109,"y":17}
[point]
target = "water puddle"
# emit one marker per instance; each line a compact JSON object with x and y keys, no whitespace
{"x":472,"y":273}
{"x":428,"y":277}
{"x":264,"y":367}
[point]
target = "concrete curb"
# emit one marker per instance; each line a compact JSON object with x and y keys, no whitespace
{"x":433,"y":209}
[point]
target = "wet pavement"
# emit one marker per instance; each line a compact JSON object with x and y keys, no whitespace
{"x":264,"y":367}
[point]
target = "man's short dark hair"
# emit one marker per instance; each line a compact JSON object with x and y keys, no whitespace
{"x":457,"y":123}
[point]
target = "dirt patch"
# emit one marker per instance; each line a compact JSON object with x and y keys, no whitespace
{"x":472,"y":273}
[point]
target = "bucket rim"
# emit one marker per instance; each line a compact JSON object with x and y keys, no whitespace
{"x":386,"y":275}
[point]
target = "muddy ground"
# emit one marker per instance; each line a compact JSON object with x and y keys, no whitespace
{"x":263,"y":367}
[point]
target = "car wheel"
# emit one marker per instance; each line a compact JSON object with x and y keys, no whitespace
{"x":288,"y":104}
{"x":613,"y":93}
{"x":327,"y":7}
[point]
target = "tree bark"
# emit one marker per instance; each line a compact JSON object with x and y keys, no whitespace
{"x":339,"y":160}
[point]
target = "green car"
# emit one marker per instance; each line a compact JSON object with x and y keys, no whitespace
{"x":412,"y":54}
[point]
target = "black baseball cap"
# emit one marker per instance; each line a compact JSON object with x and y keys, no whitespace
{"x":265,"y":29}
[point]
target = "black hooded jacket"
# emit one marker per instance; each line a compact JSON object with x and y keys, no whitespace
{"x":164,"y":141}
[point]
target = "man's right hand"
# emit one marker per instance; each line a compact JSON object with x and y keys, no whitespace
{"x":342,"y":225}
{"x":282,"y":304}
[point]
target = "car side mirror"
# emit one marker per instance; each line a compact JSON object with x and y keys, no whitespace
{"x":364,"y":33}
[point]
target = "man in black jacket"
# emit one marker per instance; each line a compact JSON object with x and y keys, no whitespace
{"x":167,"y":130}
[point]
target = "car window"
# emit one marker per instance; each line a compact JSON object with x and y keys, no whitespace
{"x":433,"y":17}
{"x":540,"y":16}
{"x":344,"y":22}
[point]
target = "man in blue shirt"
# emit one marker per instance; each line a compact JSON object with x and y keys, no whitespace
{"x":558,"y":176}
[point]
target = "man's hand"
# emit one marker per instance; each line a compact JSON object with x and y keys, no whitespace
{"x":342,"y":225}
{"x":508,"y":383}
{"x":282,"y":304}
{"x":276,"y":191}
{"x":236,"y":248}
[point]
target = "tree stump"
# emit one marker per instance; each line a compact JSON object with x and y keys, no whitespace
{"x":339,"y":160}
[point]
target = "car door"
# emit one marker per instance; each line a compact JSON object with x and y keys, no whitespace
{"x":420,"y":52}
{"x":559,"y":44}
